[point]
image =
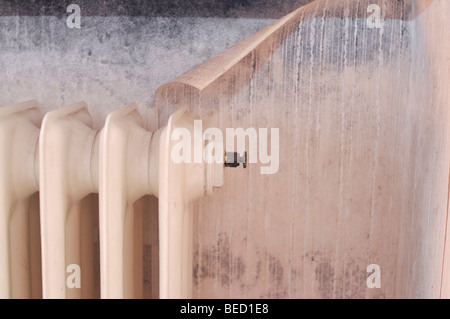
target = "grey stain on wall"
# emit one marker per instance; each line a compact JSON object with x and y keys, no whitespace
{"x":156,"y":8}
{"x":110,"y":61}
{"x":218,"y":262}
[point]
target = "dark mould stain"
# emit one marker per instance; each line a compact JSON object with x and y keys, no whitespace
{"x":295,"y":274}
{"x":276,"y":270}
{"x":168,"y":8}
{"x":350,"y":282}
{"x":258,"y":269}
{"x":325,"y":276}
{"x":218,"y":262}
{"x":278,"y":286}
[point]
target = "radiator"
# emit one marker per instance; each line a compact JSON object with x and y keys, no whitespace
{"x":51,"y":167}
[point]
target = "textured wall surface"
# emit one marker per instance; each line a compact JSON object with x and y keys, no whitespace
{"x":123,"y":51}
{"x":108,"y":63}
{"x":260,"y":9}
{"x":364,"y":155}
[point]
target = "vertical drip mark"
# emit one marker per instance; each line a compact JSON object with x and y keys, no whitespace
{"x":302,"y":75}
{"x":392,"y":46}
{"x":249,"y":189}
{"x":297,"y":98}
{"x":235,"y":77}
{"x":294,"y":186}
{"x":377,"y":141}
{"x":266,"y":214}
{"x":308,"y":128}
{"x":342,"y":135}
{"x":412,"y":73}
{"x":341,"y":154}
{"x":353,"y":96}
{"x":398,"y":36}
{"x":191,"y":209}
{"x":320,"y":60}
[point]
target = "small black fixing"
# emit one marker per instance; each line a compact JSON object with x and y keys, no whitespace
{"x":233,"y":159}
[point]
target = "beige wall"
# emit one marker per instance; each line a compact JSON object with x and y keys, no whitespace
{"x":364,"y":156}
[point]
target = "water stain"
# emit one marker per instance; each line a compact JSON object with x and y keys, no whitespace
{"x":218,"y":262}
{"x":278,"y":285}
{"x":325,"y":276}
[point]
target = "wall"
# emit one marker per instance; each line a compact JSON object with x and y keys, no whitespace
{"x":364,"y":157}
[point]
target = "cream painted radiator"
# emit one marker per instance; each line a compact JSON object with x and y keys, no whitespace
{"x":81,"y":189}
